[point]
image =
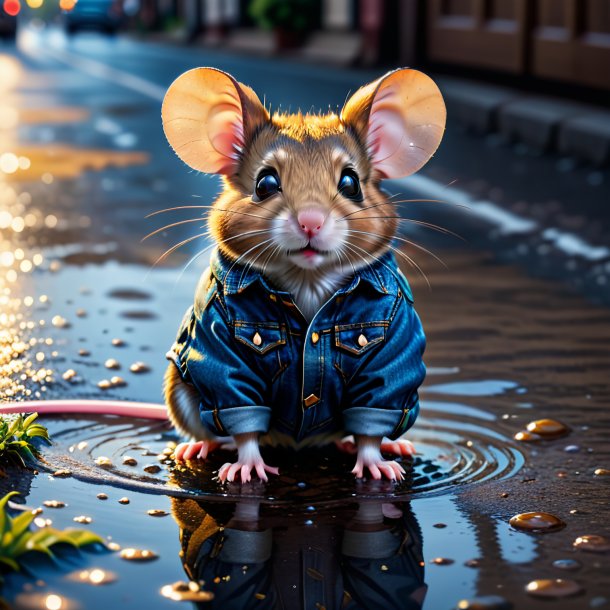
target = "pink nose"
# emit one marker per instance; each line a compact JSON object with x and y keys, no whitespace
{"x":311,"y":222}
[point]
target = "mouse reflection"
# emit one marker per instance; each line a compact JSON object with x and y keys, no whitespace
{"x":253,"y":556}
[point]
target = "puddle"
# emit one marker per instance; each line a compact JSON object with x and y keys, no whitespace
{"x":450,"y":452}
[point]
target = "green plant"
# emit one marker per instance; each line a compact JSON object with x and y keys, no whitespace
{"x":293,"y":15}
{"x":17,"y":540}
{"x":16,"y":435}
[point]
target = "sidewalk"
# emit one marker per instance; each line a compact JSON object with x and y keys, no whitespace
{"x":542,"y":123}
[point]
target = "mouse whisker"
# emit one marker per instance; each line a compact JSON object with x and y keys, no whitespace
{"x":414,"y":221}
{"x":402,"y":239}
{"x":169,"y":226}
{"x":406,"y":257}
{"x":378,"y":205}
{"x":212,"y":245}
{"x":207,"y":207}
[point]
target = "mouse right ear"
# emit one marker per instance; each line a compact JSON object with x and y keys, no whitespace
{"x":208,"y":117}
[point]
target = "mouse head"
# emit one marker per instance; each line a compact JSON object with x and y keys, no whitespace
{"x":303,"y":189}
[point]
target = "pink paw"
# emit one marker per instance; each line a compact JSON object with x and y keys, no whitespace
{"x":228,"y":471}
{"x":379,"y":468}
{"x":195,"y":450}
{"x":401,"y":447}
{"x":347,"y":445}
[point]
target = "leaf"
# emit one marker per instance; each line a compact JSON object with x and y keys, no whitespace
{"x":11,"y":563}
{"x":4,"y":518}
{"x":83,"y":537}
{"x":39,"y":431}
{"x":29,"y":420}
{"x":21,"y":523}
{"x":14,"y":425}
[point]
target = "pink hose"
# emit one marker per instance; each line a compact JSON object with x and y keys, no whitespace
{"x":145,"y":410}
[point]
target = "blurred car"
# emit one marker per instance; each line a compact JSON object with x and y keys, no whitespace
{"x":100,"y":15}
{"x":8,"y":21}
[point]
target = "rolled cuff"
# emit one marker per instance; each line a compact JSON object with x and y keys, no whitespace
{"x":237,"y":420}
{"x":378,"y":421}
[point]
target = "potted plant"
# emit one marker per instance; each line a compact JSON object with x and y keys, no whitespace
{"x":290,"y":20}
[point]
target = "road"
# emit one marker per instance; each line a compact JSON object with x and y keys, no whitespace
{"x":517,"y":325}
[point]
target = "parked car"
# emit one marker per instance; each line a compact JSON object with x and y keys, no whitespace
{"x":8,"y":23}
{"x":101,"y":15}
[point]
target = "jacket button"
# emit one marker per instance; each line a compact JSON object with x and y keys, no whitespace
{"x":315,"y":337}
{"x":257,"y":339}
{"x":362,"y":340}
{"x":310,"y":401}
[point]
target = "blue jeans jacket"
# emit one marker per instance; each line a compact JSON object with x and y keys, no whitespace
{"x":257,"y":364}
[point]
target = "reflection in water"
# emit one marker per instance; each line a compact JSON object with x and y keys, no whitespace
{"x":248,"y":557}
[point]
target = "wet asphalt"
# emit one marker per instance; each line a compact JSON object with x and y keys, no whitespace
{"x":518,"y":326}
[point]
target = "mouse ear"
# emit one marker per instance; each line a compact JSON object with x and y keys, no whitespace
{"x":401,"y":117}
{"x":208,"y":117}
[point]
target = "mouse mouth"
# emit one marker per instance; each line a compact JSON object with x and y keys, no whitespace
{"x":308,"y":251}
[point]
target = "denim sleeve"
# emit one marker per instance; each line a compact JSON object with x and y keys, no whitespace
{"x":382,"y":395}
{"x":231,"y":393}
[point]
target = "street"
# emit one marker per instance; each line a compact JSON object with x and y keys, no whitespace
{"x":517,"y":322}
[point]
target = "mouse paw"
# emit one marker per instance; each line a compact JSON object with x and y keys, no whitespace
{"x":195,"y":450}
{"x":228,"y":471}
{"x":379,"y":468}
{"x":347,"y":445}
{"x":401,"y":447}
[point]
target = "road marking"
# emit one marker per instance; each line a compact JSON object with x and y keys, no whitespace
{"x":30,"y":44}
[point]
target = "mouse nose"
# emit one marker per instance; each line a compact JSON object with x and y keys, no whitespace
{"x":311,"y":222}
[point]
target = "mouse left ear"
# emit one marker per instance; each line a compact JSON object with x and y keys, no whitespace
{"x":208,"y":117}
{"x":401,"y":118}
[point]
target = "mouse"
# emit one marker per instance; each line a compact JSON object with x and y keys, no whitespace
{"x":302,"y":331}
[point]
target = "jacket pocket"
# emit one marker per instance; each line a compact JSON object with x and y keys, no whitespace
{"x":357,"y":339}
{"x":261,"y":337}
{"x":353,"y":342}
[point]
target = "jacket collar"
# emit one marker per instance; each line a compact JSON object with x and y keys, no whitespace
{"x":235,"y":278}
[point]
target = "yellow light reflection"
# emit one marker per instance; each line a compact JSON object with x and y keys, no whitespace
{"x":35,"y":3}
{"x":54,"y":602}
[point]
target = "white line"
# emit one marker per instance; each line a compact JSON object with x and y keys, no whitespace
{"x":507,"y":222}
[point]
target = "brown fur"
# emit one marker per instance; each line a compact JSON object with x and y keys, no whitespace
{"x":309,"y":153}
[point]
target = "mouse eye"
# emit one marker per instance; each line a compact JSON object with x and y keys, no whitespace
{"x":349,"y":185}
{"x":267,"y":184}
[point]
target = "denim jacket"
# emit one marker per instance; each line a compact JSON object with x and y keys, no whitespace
{"x":257,"y":364}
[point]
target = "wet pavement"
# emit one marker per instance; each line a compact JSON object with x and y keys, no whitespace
{"x":517,"y":328}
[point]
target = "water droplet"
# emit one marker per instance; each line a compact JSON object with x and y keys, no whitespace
{"x":54,"y":504}
{"x":601,"y":472}
{"x":308,"y":522}
{"x":152,"y":468}
{"x":123,"y":500}
{"x":485,"y":602}
{"x":129,"y":461}
{"x":114,"y":546}
{"x":132,"y":554}
{"x":102,"y":496}
{"x":62,"y":474}
{"x":139,"y":367}
{"x":104,"y":462}
{"x":157,"y":512}
{"x":111,"y":363}
{"x":186,"y":591}
{"x":472,"y":563}
{"x":104,"y":384}
{"x":94,"y":576}
{"x":117,"y":381}
{"x":440,"y":526}
{"x":553,"y":588}
{"x":84,"y":352}
{"x":536,"y":522}
{"x":384,"y":568}
{"x":442,"y":561}
{"x":69,"y":375}
{"x":592,"y":543}
{"x":572,"y":449}
{"x":60,"y":322}
{"x":118,"y":342}
{"x":82,"y":519}
{"x":526,"y":437}
{"x":548,"y":428}
{"x":567,"y":564}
